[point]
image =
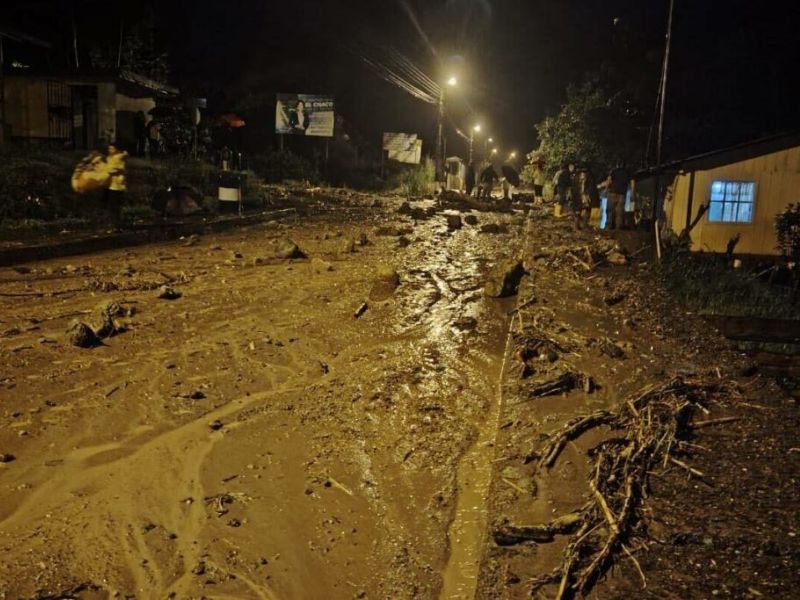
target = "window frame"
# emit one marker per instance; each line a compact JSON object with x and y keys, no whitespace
{"x":752,"y":220}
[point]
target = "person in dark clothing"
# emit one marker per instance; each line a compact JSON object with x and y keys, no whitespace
{"x":488,"y":177}
{"x":562,"y":183}
{"x":469,"y":179}
{"x":617,"y":187}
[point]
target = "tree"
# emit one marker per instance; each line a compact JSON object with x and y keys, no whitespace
{"x":140,"y":51}
{"x":592,"y":127}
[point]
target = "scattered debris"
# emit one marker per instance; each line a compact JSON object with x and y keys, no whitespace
{"x":7,"y":458}
{"x":494,"y":228}
{"x":215,"y":425}
{"x":320,"y":266}
{"x":471,"y":220}
{"x":361,"y":310}
{"x":81,"y":335}
{"x":166,"y":292}
{"x":287,"y":249}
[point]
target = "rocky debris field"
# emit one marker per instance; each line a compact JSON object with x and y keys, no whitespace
{"x":637,"y":454}
{"x":384,"y":398}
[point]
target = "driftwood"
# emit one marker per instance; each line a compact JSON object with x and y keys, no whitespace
{"x":652,"y":429}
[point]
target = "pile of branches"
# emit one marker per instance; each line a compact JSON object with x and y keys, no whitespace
{"x":649,"y":432}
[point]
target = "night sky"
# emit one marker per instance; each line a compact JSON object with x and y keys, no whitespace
{"x":733,"y":75}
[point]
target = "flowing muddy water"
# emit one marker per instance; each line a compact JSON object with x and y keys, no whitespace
{"x":467,"y":532}
{"x":252,"y":439}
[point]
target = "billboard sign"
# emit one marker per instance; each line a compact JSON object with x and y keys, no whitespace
{"x":403,"y":147}
{"x":304,"y":114}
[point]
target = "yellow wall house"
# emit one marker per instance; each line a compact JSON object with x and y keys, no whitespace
{"x":743,"y":188}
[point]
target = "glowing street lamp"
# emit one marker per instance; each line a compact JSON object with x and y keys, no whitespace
{"x":452,"y":81}
{"x":512,"y":156}
{"x":494,"y":151}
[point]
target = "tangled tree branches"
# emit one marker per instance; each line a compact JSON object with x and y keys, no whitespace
{"x":651,"y":430}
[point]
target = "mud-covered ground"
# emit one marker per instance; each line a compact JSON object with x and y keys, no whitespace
{"x":252,"y":438}
{"x":730,"y":533}
{"x":354,"y":423}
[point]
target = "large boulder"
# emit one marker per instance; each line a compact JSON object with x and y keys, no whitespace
{"x":504,"y":278}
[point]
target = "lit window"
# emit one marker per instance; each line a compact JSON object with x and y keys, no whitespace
{"x":731,"y":201}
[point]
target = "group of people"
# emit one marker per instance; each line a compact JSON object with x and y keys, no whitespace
{"x":485,"y":182}
{"x":576,"y":191}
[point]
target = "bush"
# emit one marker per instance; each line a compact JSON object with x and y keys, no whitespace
{"x":418,"y":179}
{"x":278,"y":166}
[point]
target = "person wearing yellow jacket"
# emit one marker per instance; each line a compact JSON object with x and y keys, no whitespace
{"x":117,"y":186}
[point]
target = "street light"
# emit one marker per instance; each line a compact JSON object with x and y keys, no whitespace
{"x":512,"y":156}
{"x":453,"y":81}
{"x":486,"y":146}
{"x":476,"y":128}
{"x":494,"y":151}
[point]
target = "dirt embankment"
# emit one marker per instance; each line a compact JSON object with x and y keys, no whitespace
{"x":713,"y":510}
{"x":276,"y":428}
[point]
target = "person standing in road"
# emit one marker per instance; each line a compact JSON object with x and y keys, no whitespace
{"x":561,"y":188}
{"x":538,"y":182}
{"x":617,"y":186}
{"x":488,"y":177}
{"x":469,"y":179}
{"x":117,"y":186}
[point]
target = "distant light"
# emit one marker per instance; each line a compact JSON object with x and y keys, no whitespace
{"x":512,"y":155}
{"x":477,"y":128}
{"x":494,"y":150}
{"x":452,"y":81}
{"x":490,"y":140}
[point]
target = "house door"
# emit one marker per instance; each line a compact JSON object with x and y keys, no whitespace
{"x":84,"y":116}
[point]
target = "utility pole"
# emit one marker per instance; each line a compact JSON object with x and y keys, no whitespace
{"x":439,"y":142}
{"x":2,"y":95}
{"x":471,"y":140}
{"x":663,"y":95}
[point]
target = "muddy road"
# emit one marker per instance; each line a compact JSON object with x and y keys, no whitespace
{"x":362,"y":421}
{"x":254,"y":438}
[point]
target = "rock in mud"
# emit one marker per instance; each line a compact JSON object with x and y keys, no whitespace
{"x":258,"y":261}
{"x":7,"y":458}
{"x":288,"y":249}
{"x":166,"y":292}
{"x":215,"y":425}
{"x":320,"y":266}
{"x":471,"y":220}
{"x":615,"y":257}
{"x":494,"y":228}
{"x":363,"y":240}
{"x":454,"y":222}
{"x":81,"y":335}
{"x":388,"y":275}
{"x":387,"y":230}
{"x":504,"y":279}
{"x":386,"y":282}
{"x":418,"y":214}
{"x":403,"y":241}
{"x":405,"y":208}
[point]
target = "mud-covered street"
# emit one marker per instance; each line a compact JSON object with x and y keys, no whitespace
{"x":357,"y":418}
{"x":253,"y":438}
